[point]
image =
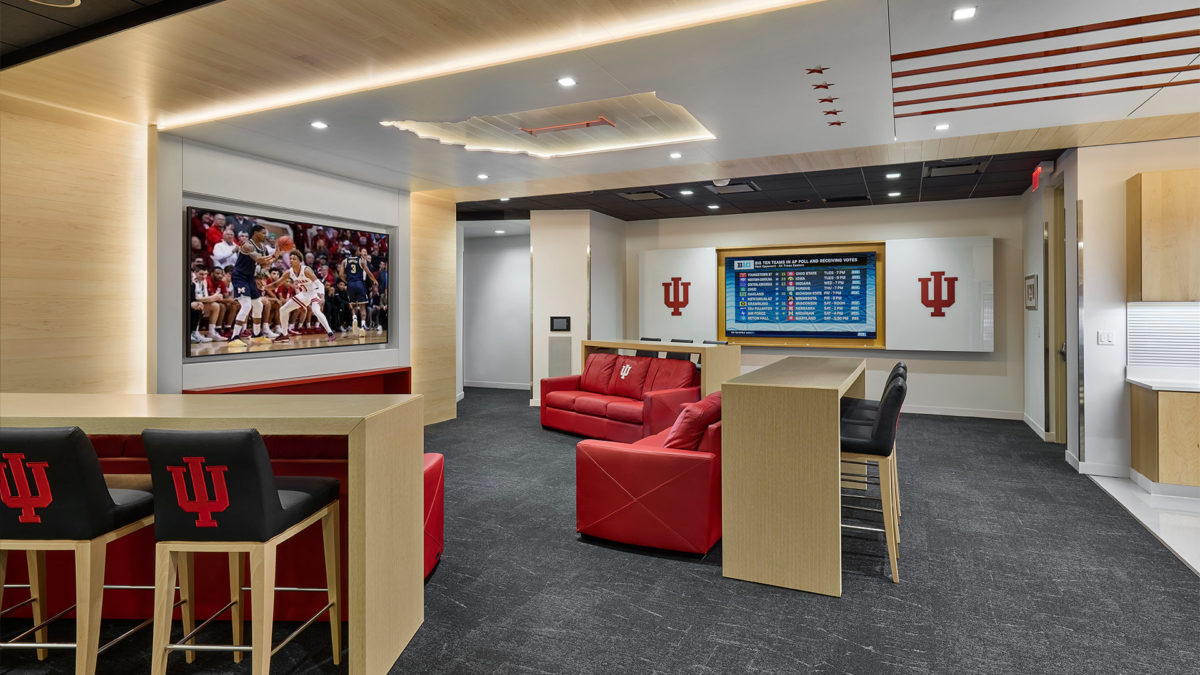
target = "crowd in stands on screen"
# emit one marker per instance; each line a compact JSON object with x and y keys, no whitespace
{"x":215,"y":240}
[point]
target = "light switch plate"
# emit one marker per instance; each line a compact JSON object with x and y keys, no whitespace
{"x":1104,"y":337}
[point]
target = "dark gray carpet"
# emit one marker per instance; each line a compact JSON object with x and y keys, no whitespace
{"x":1010,"y":563}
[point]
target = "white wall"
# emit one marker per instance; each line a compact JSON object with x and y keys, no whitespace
{"x":495,"y":290}
{"x":606,"y":237}
{"x":1101,"y":175}
{"x":559,"y":246}
{"x":190,"y":173}
{"x":1037,"y":212}
{"x":974,"y":384}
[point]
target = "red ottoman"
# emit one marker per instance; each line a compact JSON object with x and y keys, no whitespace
{"x":435,"y":517}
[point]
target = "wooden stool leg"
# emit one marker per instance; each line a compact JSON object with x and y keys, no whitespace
{"x":237,"y":579}
{"x":262,"y":606}
{"x":187,"y":593}
{"x":887,"y":489}
{"x":36,"y":561}
{"x":896,"y":478}
{"x":164,"y":601}
{"x":89,"y":598}
{"x":330,"y":524}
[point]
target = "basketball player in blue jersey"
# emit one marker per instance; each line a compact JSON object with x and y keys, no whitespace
{"x":355,"y":273}
{"x":252,"y":255}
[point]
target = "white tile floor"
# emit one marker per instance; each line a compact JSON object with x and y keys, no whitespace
{"x":1175,"y":521}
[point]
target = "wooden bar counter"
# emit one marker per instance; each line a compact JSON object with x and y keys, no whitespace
{"x":385,"y":438}
{"x":780,"y":472}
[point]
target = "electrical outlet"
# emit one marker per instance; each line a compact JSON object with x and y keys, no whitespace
{"x":1104,"y":337}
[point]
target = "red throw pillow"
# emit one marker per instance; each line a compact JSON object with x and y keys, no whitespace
{"x":597,"y":371}
{"x":629,"y":376}
{"x":693,"y":419}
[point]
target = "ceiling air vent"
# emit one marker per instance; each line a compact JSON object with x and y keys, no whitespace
{"x":733,"y":188}
{"x":644,"y":195}
{"x":847,"y":200}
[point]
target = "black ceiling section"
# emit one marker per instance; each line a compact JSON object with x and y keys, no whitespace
{"x":30,"y":30}
{"x":969,"y":177}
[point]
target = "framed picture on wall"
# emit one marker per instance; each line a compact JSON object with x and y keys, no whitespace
{"x":1031,"y":291}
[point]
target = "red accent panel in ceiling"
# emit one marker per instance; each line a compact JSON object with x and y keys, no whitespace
{"x":1173,"y":62}
{"x":599,"y":121}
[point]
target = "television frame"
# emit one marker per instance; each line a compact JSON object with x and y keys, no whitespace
{"x":876,"y":247}
{"x":267,"y":213}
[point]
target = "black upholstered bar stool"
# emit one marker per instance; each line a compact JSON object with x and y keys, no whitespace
{"x":682,"y":356}
{"x":55,"y":499}
{"x":647,"y":352}
{"x":875,"y":443}
{"x":861,"y":411}
{"x":215,"y":492}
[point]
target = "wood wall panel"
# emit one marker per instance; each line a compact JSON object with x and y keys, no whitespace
{"x":73,"y":283}
{"x":1143,"y":423}
{"x":1179,"y":437}
{"x":1162,"y":219}
{"x":433,"y":310}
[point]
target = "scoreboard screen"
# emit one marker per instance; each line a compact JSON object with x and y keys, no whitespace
{"x":801,"y":295}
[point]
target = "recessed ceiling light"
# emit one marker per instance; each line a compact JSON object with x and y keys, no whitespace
{"x":499,"y":231}
{"x":685,"y":193}
{"x":891,"y":175}
{"x":942,"y":127}
{"x":482,"y":176}
{"x":675,"y":155}
{"x":318,"y":124}
{"x":504,"y":199}
{"x":713,"y":206}
{"x":893,"y":194}
{"x":566,"y":81}
{"x":964,"y":13}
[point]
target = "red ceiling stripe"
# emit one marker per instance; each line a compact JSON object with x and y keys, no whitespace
{"x":1013,"y":39}
{"x":1050,"y":52}
{"x":1049,"y":98}
{"x":1049,"y":69}
{"x":1047,"y":85}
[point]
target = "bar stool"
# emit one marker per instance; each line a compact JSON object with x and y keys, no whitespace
{"x":875,"y":443}
{"x":215,"y":492}
{"x":861,"y":411}
{"x":682,"y":356}
{"x":647,"y":352}
{"x":56,"y":499}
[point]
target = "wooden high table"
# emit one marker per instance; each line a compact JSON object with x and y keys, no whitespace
{"x":385,"y":439}
{"x":717,"y":362}
{"x":780,"y":472}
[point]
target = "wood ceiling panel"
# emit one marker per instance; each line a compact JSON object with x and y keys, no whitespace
{"x":245,"y":55}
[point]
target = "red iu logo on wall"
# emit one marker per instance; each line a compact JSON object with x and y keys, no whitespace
{"x":671,"y":297}
{"x":200,"y":503}
{"x":24,"y":498}
{"x":937,"y":301}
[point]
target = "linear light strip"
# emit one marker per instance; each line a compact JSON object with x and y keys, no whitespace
{"x":1059,"y":97}
{"x":1045,"y":85}
{"x":706,"y":136}
{"x":522,"y":50}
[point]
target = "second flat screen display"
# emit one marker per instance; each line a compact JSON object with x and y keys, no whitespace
{"x":818,"y":295}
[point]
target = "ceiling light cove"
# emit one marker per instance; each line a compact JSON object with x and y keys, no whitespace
{"x":652,"y":21}
{"x":963,"y":13}
{"x":604,"y":125}
{"x":567,"y":81}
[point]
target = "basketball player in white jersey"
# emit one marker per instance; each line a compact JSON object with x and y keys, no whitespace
{"x":304,"y":280}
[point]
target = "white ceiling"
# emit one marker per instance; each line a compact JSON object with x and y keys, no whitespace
{"x":744,"y":80}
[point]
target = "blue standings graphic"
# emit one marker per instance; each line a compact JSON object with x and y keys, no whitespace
{"x":820,"y":295}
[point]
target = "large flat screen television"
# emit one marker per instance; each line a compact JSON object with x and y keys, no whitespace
{"x":263,"y":285}
{"x":827,"y":296}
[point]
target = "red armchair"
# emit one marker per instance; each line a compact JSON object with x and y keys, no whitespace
{"x":648,"y":494}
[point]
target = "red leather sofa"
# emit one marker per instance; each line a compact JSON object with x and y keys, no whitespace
{"x":663,"y":491}
{"x":131,"y":558}
{"x":619,"y":398}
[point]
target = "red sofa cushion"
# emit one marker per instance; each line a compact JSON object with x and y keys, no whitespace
{"x":626,"y":411}
{"x":670,"y":374}
{"x":594,"y":404}
{"x":597,"y":372}
{"x":629,"y":376}
{"x":563,"y":400}
{"x":692,"y":422}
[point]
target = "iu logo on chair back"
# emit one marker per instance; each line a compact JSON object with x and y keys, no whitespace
{"x":671,"y":295}
{"x":200,"y":503}
{"x":24,"y":498}
{"x":937,"y":302}
{"x":625,"y":370}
